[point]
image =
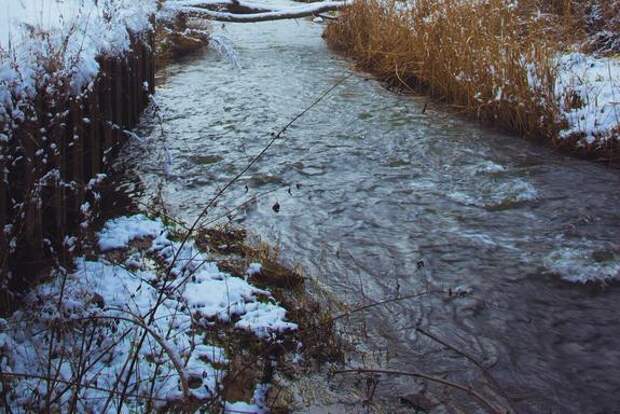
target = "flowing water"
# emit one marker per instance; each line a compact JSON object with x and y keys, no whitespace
{"x":379,"y":197}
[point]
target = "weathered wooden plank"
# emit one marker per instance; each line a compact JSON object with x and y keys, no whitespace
{"x":139,"y":77}
{"x":117,"y":94}
{"x":58,"y":160}
{"x":123,"y":97}
{"x":131,"y":89}
{"x":145,"y":75}
{"x":105,"y":102}
{"x":30,"y":142}
{"x":152,"y":63}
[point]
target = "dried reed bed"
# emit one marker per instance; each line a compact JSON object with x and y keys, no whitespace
{"x":487,"y":58}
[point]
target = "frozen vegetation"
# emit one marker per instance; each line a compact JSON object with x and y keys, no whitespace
{"x":501,"y":61}
{"x":588,"y":92}
{"x":73,"y":341}
{"x":141,"y":323}
{"x":42,"y":40}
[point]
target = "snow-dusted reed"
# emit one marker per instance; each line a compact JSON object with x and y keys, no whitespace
{"x":43,"y":39}
{"x":71,"y":344}
{"x":498,"y":62}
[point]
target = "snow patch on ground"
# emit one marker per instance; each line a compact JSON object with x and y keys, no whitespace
{"x":117,"y":233}
{"x":254,"y":268}
{"x":588,"y":88}
{"x":257,"y":406}
{"x":103,"y":308}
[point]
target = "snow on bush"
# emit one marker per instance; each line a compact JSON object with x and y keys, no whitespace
{"x":43,"y":39}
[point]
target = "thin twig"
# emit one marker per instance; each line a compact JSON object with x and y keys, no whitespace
{"x":473,"y":360}
{"x":72,"y":384}
{"x":385,"y":302}
{"x":476,"y":395}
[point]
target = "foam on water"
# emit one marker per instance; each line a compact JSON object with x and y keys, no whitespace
{"x":584,"y":265}
{"x":493,"y":195}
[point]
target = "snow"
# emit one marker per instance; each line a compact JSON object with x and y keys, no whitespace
{"x":204,"y":3}
{"x":214,"y":354}
{"x":264,"y":319}
{"x":86,"y":17}
{"x":261,"y":14}
{"x":254,"y":268}
{"x":68,"y":35}
{"x":119,"y":232}
{"x":104,"y":305}
{"x":596,"y":81}
{"x":257,"y":406}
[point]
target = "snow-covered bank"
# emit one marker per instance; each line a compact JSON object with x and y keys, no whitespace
{"x":588,"y":94}
{"x":494,"y":61}
{"x":83,"y":327}
{"x":74,"y":75}
{"x":71,"y":34}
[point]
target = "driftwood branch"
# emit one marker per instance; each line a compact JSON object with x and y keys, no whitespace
{"x":247,"y":12}
{"x":235,"y":6}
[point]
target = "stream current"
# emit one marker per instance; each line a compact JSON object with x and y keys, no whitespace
{"x":379,"y":197}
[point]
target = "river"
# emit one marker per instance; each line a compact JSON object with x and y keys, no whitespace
{"x":381,"y":195}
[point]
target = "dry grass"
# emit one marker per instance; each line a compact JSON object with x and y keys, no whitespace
{"x":481,"y":57}
{"x":592,"y":26}
{"x":316,"y":325}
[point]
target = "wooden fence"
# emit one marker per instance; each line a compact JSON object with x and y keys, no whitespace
{"x":53,"y":155}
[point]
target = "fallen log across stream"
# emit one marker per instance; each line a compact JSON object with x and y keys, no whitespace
{"x":248,"y":12}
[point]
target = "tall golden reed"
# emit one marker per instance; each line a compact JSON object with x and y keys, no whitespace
{"x":485,"y":57}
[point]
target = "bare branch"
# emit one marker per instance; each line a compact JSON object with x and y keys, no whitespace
{"x":278,"y":14}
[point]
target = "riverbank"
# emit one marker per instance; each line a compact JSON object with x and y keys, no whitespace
{"x":518,"y":68}
{"x":75,"y":77}
{"x":127,"y":310}
{"x":379,"y":197}
{"x":145,"y":319}
{"x":385,"y":199}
